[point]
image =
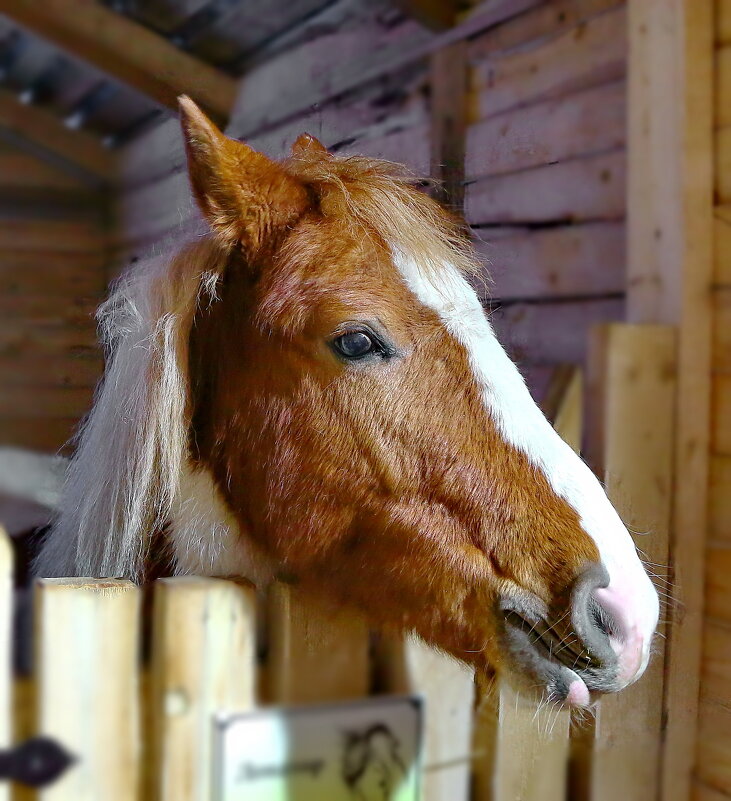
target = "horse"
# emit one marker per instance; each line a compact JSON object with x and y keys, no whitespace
{"x":308,"y":389}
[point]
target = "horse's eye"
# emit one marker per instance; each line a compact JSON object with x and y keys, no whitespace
{"x":354,"y":345}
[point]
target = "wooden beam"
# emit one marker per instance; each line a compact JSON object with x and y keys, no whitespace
{"x":126,"y":51}
{"x":19,"y":122}
{"x":670,"y":235}
{"x":435,"y":14}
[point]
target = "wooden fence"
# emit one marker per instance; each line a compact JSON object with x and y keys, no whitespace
{"x":140,"y":724}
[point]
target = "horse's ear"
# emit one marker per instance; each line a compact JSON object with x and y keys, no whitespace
{"x":306,"y":145}
{"x":244,"y":196}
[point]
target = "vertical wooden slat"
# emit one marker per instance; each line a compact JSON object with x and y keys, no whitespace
{"x":408,"y":665}
{"x":203,"y":662}
{"x":317,"y":652}
{"x":6,"y":675}
{"x":87,"y":658}
{"x":637,"y":363}
{"x":669,"y":227}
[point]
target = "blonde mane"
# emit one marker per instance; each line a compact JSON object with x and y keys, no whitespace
{"x":125,"y":477}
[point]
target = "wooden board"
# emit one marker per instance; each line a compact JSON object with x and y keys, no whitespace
{"x":50,"y":273}
{"x":64,"y":370}
{"x":591,"y":188}
{"x":669,"y":268}
{"x":552,"y":333}
{"x":407,"y":665}
{"x":722,"y":25}
{"x":87,"y":640}
{"x":720,"y":417}
{"x":714,"y":746}
{"x":48,"y":435}
{"x":578,"y":124}
{"x":62,"y":236}
{"x":722,"y":245}
{"x":203,"y":664}
{"x":567,"y":261}
{"x":6,"y":648}
{"x":50,"y":402}
{"x":317,"y":651}
{"x":722,"y":329}
{"x":719,"y":504}
{"x":589,"y":55}
{"x":637,"y":368}
{"x":722,"y":94}
{"x":718,"y":583}
{"x":547,"y":21}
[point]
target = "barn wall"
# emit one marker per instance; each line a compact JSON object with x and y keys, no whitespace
{"x":714,"y":748}
{"x":52,"y":262}
{"x":544,"y":146}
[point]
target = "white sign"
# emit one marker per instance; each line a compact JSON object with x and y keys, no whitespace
{"x":365,"y":750}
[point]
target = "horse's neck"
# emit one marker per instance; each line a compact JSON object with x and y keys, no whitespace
{"x":204,"y":536}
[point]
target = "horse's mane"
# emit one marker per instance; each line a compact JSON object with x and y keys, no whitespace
{"x":124,"y":479}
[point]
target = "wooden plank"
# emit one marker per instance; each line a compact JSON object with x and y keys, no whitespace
{"x":203,"y":664}
{"x":87,"y":651}
{"x":434,"y":14}
{"x":304,"y":75}
{"x":638,"y":389}
{"x":49,"y":436}
{"x":722,"y":166}
{"x":719,"y":502}
{"x":22,"y":338}
{"x":568,"y":421}
{"x":669,"y":235}
{"x":591,"y":188}
{"x":46,"y":402}
{"x":721,"y":310}
{"x":317,"y":651}
{"x":408,"y":665}
{"x":6,"y":649}
{"x":61,"y":236}
{"x":552,"y":333}
{"x":48,"y":132}
{"x":521,"y":752}
{"x":579,"y":124}
{"x":19,"y":170}
{"x":127,"y":51}
{"x":152,"y":155}
{"x":722,"y":245}
{"x":548,"y":20}
{"x":63,"y":370}
{"x":409,"y":146}
{"x":26,"y":272}
{"x":716,"y":688}
{"x":702,"y":792}
{"x":720,"y":418}
{"x":722,"y":25}
{"x":718,"y":583}
{"x":589,"y":55}
{"x":722,"y":94}
{"x":448,"y":70}
{"x":714,"y":746}
{"x":48,"y":309}
{"x":563,"y":261}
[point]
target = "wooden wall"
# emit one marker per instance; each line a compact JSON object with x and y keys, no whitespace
{"x":52,"y":258}
{"x":714,"y":747}
{"x":543,"y":138}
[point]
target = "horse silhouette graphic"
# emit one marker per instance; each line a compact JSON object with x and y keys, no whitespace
{"x":372,"y":766}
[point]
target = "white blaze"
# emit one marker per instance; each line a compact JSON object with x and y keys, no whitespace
{"x":522,"y":424}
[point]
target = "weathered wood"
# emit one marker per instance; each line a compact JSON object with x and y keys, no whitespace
{"x":722,"y":329}
{"x":28,"y":272}
{"x":521,"y":753}
{"x":578,"y":124}
{"x":408,"y":665}
{"x":409,"y":146}
{"x":719,"y":502}
{"x":669,"y":235}
{"x":552,"y":333}
{"x":434,"y":14}
{"x":60,"y":236}
{"x":722,"y":94}
{"x":718,"y":583}
{"x":44,"y":435}
{"x":547,"y":21}
{"x":588,"y":55}
{"x":722,"y":245}
{"x":127,"y":51}
{"x":203,"y":664}
{"x":565,"y":261}
{"x":51,"y":402}
{"x":722,"y":25}
{"x":592,"y":188}
{"x":448,"y":69}
{"x":19,"y":170}
{"x":6,"y":649}
{"x":87,"y":651}
{"x":317,"y":651}
{"x":62,"y":370}
{"x":638,"y":419}
{"x":722,"y":166}
{"x":21,"y":338}
{"x":305,"y":75}
{"x":47,"y":132}
{"x":568,"y":420}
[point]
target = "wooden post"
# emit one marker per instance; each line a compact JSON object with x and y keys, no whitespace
{"x":203,"y":663}
{"x":6,"y":638}
{"x":87,"y":656}
{"x":317,"y":652}
{"x":637,"y":363}
{"x":408,"y":665}
{"x":669,"y":228}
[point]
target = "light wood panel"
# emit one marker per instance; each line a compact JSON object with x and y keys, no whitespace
{"x":720,"y":418}
{"x":719,"y":506}
{"x":592,"y":188}
{"x":669,"y":219}
{"x":722,"y":245}
{"x":577,"y":124}
{"x":87,"y":651}
{"x":718,"y":583}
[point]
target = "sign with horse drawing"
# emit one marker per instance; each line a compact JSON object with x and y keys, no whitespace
{"x":356,"y":751}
